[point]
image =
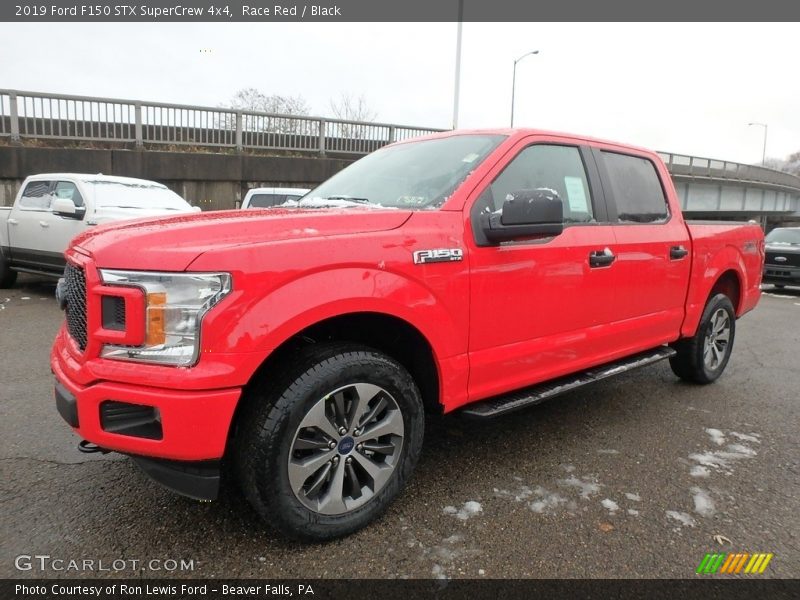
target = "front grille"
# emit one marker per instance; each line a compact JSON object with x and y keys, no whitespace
{"x":75,"y":291}
{"x":792,"y":258}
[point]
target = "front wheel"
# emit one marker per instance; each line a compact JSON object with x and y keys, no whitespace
{"x":325,"y":448}
{"x":703,"y":357}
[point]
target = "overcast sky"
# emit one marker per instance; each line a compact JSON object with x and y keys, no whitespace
{"x":686,"y":88}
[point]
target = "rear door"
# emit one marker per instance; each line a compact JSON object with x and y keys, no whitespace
{"x":652,"y":249}
{"x":538,"y":308}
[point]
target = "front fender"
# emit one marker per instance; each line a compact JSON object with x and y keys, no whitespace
{"x":262,"y":323}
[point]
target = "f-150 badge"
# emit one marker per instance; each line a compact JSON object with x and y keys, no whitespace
{"x":438,"y":255}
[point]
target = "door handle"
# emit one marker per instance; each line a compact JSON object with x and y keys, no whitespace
{"x":601,"y":258}
{"x":44,"y":223}
{"x":677,"y":252}
{"x":13,"y":222}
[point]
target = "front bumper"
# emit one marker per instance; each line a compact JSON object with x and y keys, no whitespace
{"x":194,"y":424}
{"x":781,"y":275}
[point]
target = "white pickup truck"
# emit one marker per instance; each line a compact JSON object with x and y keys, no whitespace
{"x":52,"y":208}
{"x":265,"y":197}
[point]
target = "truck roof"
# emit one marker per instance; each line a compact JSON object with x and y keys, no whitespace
{"x":96,"y":177}
{"x":517,"y":132}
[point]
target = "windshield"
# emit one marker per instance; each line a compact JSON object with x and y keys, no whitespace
{"x":112,"y":194}
{"x":416,"y":175}
{"x":783,"y":236}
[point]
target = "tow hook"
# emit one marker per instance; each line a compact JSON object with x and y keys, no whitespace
{"x":88,"y":447}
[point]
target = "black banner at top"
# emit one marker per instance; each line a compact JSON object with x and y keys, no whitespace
{"x":281,"y":11}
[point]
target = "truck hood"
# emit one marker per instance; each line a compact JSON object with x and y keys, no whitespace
{"x":172,"y":243}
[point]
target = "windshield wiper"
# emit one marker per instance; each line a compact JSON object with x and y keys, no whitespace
{"x":350,"y":198}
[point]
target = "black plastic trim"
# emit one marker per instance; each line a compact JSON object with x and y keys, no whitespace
{"x":134,"y":420}
{"x":66,"y":404}
{"x":199,"y":480}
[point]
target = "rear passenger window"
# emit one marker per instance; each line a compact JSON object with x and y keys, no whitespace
{"x":36,"y":196}
{"x":557,"y":169}
{"x":637,"y":189}
{"x":67,"y":189}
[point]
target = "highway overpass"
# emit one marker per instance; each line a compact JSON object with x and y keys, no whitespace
{"x":211,"y":155}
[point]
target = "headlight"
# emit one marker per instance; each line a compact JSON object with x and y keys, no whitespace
{"x":174,"y":307}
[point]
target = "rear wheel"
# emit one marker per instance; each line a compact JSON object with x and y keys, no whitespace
{"x":7,"y":276}
{"x":323,"y":450}
{"x":703,"y":358}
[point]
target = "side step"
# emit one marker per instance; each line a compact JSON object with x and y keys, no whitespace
{"x":500,"y":405}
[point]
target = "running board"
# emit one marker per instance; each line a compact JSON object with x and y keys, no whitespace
{"x":500,"y":405}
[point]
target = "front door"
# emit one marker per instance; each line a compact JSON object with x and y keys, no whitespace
{"x":539,"y":307}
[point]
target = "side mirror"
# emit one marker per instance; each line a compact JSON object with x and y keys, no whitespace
{"x":65,"y":207}
{"x":526,"y":213}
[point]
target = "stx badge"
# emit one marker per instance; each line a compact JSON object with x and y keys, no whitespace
{"x":439,"y":255}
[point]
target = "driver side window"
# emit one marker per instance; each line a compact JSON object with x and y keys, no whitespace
{"x":545,"y":167}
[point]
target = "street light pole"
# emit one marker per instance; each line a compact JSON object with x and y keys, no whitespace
{"x":514,"y":82}
{"x":458,"y":64}
{"x":764,"y":151}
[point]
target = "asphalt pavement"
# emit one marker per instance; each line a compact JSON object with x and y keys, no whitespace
{"x":638,"y":476}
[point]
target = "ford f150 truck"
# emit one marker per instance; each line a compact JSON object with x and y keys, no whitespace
{"x":299,"y":348}
{"x":52,"y":208}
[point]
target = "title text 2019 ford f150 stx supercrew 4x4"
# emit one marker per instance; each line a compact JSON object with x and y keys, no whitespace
{"x":298,"y":349}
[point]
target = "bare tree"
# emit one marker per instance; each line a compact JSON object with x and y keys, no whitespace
{"x":774,"y":163}
{"x":352,"y":108}
{"x":251,"y":99}
{"x":792,"y":164}
{"x":256,"y":100}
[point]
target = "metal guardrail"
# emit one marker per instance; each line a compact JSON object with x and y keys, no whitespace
{"x":85,"y":118}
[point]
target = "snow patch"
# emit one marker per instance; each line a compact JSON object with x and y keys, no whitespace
{"x":470,"y":509}
{"x":586,"y":487}
{"x":607,"y":451}
{"x":723,"y":459}
{"x":699,"y":471}
{"x":683,"y":518}
{"x":610,"y":505}
{"x":633,"y":512}
{"x":716,"y":436}
{"x":703,"y":504}
{"x":547,"y":500}
{"x":634,"y":497}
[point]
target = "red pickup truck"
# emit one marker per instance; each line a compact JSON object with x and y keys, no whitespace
{"x":298,"y":348}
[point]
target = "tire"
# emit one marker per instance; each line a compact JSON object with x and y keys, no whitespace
{"x":696,"y":361}
{"x":290,"y":419}
{"x":7,"y":276}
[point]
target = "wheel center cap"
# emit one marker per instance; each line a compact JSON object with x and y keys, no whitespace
{"x":346,"y":445}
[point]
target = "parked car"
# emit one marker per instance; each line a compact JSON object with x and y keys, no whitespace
{"x":479,"y":272}
{"x":782,"y":262}
{"x":271,"y":196}
{"x":52,"y":208}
